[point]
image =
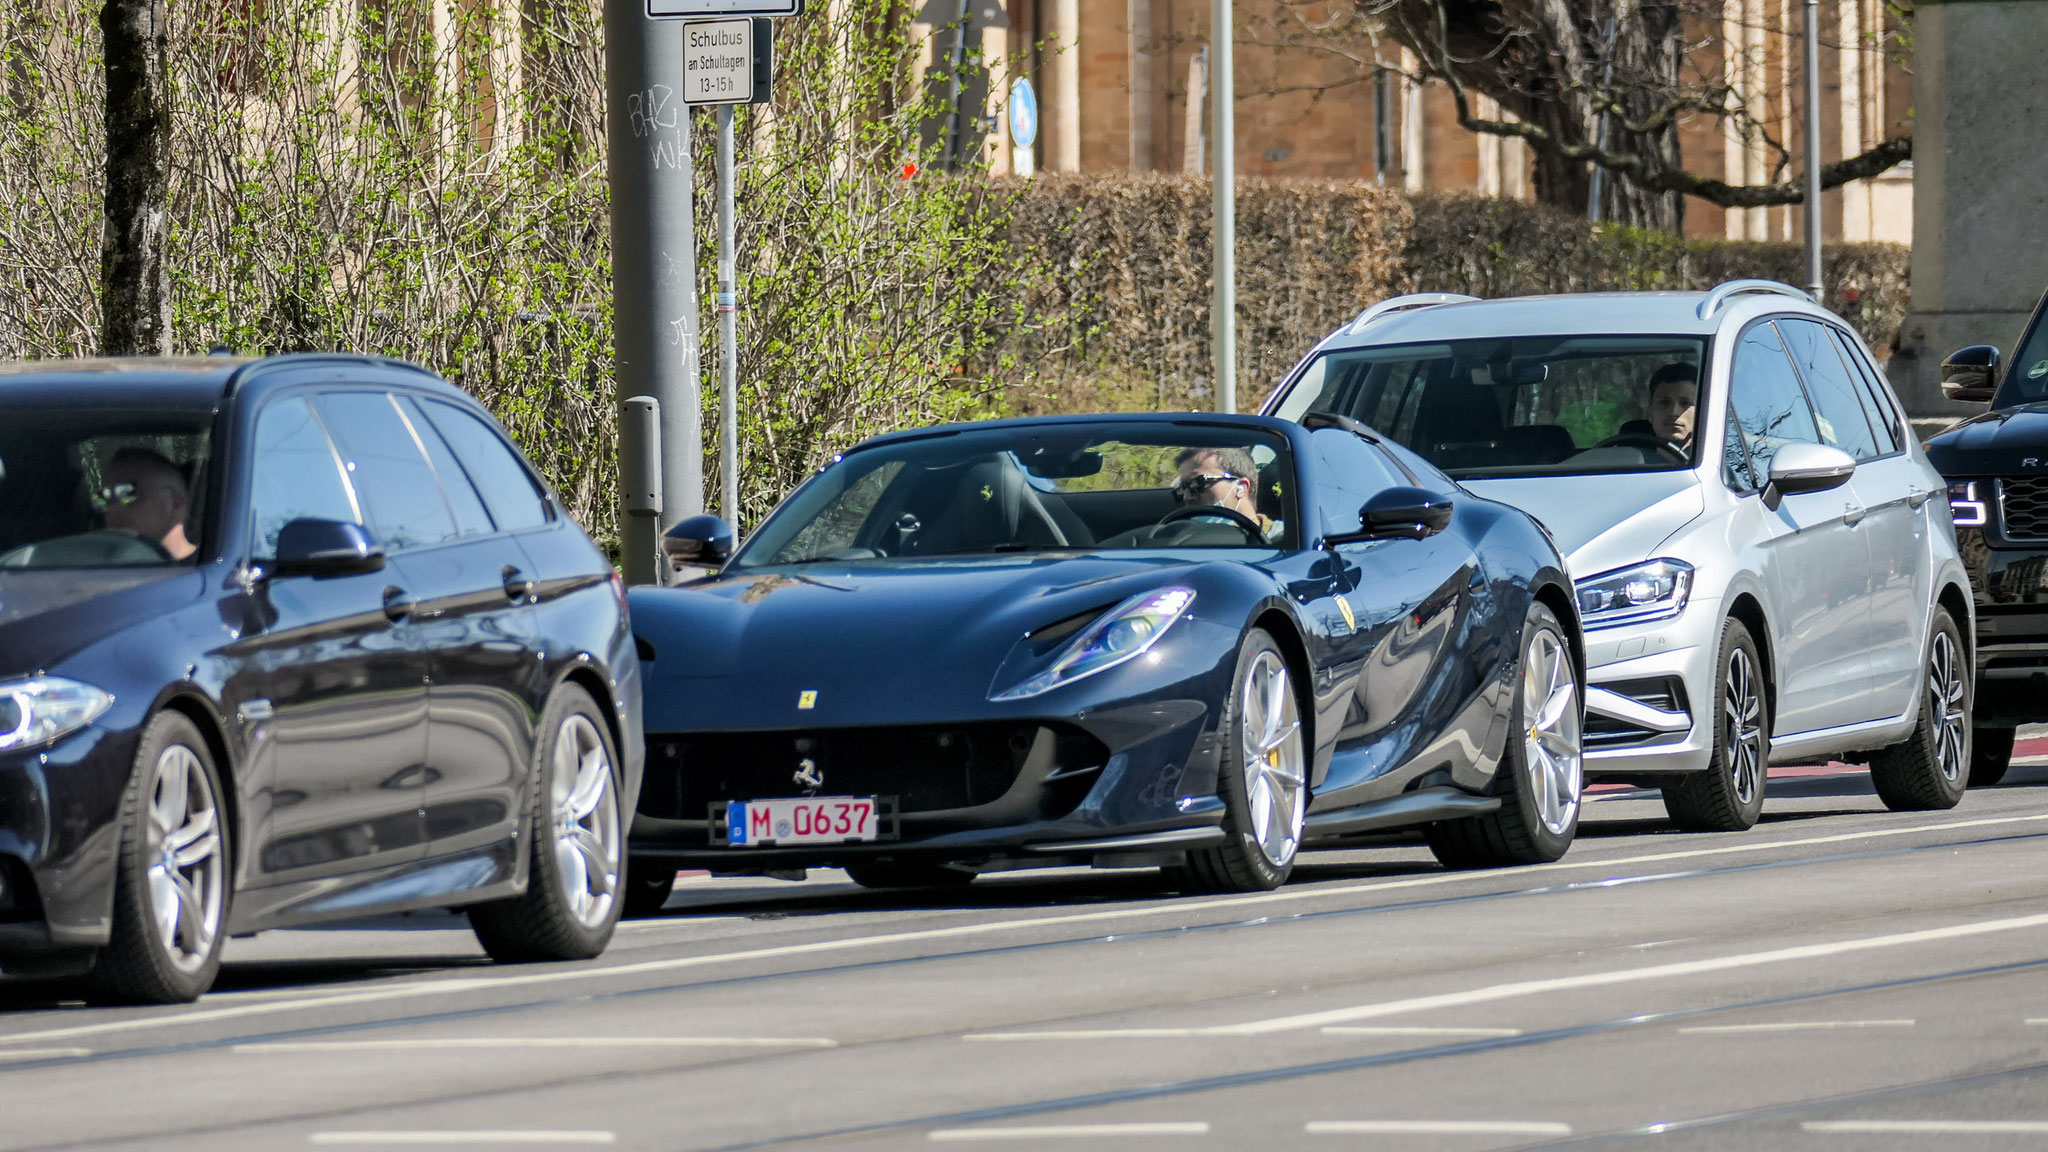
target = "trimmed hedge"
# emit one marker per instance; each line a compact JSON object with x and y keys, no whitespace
{"x":1122,"y":311}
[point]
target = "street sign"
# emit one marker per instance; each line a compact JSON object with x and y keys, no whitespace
{"x":721,"y":9}
{"x":718,"y":62}
{"x":1023,"y":113}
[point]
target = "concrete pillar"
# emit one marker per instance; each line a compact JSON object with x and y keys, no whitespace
{"x":1980,"y":186}
{"x":1066,"y":87}
{"x":1140,"y":54}
{"x":1414,"y":127}
{"x":1855,"y":196}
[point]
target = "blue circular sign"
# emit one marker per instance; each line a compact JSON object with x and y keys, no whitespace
{"x":1023,"y":113}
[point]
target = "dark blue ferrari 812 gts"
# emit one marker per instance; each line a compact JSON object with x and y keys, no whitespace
{"x":1196,"y":642}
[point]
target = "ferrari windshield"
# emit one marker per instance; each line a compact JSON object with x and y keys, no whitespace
{"x":1522,"y":406}
{"x":1114,"y":485}
{"x":100,"y":489}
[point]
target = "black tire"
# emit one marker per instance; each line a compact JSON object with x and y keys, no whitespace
{"x":907,"y":874}
{"x":138,"y":965}
{"x":647,"y":889}
{"x":1930,"y":770}
{"x":541,"y":923}
{"x":1729,"y":795}
{"x":1520,"y":831}
{"x":1243,"y":862}
{"x":1990,"y":755}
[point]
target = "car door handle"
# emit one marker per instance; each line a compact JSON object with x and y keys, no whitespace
{"x":1852,"y":514}
{"x":518,"y":586}
{"x":1916,"y":499}
{"x":397,"y":605}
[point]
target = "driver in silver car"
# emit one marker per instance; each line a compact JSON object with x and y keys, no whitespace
{"x":1224,"y":478}
{"x":1674,"y":392}
{"x":145,"y":495}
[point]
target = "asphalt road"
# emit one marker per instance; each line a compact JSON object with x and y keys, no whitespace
{"x":1841,"y":977}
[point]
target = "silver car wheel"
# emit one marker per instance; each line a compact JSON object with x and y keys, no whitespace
{"x":1945,"y":692}
{"x":586,"y":822}
{"x":1742,"y":708}
{"x":1275,"y":769}
{"x":187,"y":876}
{"x":1552,"y":752}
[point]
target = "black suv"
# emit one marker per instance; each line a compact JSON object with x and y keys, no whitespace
{"x":288,"y":640}
{"x":1997,"y":468}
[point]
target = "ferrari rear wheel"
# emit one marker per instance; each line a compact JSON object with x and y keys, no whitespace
{"x":1542,"y":770}
{"x":1263,"y":776}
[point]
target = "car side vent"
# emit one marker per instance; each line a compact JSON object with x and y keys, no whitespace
{"x":2023,"y":502}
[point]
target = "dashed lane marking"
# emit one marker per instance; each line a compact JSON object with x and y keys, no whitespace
{"x":443,"y":987}
{"x":10,"y":1055}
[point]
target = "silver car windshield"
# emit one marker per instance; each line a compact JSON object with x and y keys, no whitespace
{"x":100,"y":489}
{"x":1520,"y":406}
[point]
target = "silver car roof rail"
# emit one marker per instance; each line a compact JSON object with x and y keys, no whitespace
{"x":1403,"y":304}
{"x":1733,"y":288}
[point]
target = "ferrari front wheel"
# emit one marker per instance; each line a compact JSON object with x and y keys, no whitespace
{"x":1263,"y":776}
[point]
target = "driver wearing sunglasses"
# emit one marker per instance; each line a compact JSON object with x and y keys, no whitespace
{"x":1223,"y":478}
{"x":145,"y":494}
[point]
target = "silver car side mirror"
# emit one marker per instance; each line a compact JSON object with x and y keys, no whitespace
{"x":1798,"y":468}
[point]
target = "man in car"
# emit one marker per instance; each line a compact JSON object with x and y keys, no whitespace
{"x":1674,"y":393}
{"x":1223,"y":478}
{"x":145,"y":494}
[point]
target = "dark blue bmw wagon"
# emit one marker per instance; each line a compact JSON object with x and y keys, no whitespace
{"x":286,"y":640}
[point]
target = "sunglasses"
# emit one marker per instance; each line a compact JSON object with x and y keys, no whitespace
{"x":1196,"y":485}
{"x":120,"y":495}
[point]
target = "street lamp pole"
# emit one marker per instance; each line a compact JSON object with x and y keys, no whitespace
{"x":1223,"y":312}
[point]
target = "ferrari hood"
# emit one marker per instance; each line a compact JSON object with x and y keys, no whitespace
{"x":861,"y":643}
{"x":1603,"y":522}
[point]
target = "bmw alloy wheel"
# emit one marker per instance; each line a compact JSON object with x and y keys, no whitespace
{"x":1275,"y":769}
{"x":1946,"y":695}
{"x":1550,"y":745}
{"x":586,"y":821}
{"x":187,"y":877}
{"x":1742,"y":709}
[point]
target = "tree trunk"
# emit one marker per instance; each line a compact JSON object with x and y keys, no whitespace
{"x":135,"y":295}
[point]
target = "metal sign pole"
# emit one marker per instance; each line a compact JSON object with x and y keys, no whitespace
{"x":654,"y":278}
{"x":728,"y":330}
{"x":1223,"y":317}
{"x":1813,"y":286}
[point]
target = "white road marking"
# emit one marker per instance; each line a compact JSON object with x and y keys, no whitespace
{"x":1956,"y":1127}
{"x":14,"y":1055}
{"x":1524,"y":988}
{"x":1343,"y":1030}
{"x":442,"y":987}
{"x":1073,"y":1131}
{"x":1436,"y":1128}
{"x":444,"y":1137}
{"x":496,"y":1042}
{"x":1797,"y":1026}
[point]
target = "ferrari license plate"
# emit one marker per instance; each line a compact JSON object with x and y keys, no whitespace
{"x":803,"y":820}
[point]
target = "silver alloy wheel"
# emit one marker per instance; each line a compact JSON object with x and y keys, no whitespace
{"x":1945,"y":692}
{"x":586,"y":822}
{"x":1552,"y":753}
{"x":187,"y":876}
{"x":1275,"y":770}
{"x":1742,"y":709}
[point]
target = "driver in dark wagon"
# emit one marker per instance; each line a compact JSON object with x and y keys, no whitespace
{"x":289,"y":640}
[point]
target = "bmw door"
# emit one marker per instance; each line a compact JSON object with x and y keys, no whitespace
{"x":471,"y":614}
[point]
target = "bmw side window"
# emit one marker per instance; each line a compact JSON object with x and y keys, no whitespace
{"x":1766,"y":402}
{"x":1884,"y":415}
{"x":400,"y":492}
{"x":1837,"y":398}
{"x":516,"y":503}
{"x":296,"y":474}
{"x":463,"y":499}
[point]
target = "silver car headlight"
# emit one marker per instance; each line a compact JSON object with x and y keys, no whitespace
{"x":1652,"y":591}
{"x":38,"y":711}
{"x":1123,"y":633}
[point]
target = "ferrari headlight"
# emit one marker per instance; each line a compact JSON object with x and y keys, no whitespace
{"x":1965,"y":507}
{"x":1123,"y":633}
{"x":40,"y":710}
{"x":1652,"y":591}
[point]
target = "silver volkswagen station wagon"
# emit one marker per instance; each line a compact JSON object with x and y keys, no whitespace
{"x":1763,"y":557}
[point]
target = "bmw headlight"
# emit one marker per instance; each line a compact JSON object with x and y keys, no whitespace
{"x":1123,"y":633}
{"x":40,"y":710}
{"x":1652,"y":591}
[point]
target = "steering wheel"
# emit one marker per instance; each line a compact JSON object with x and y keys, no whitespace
{"x":1252,"y":531}
{"x":1648,"y":441}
